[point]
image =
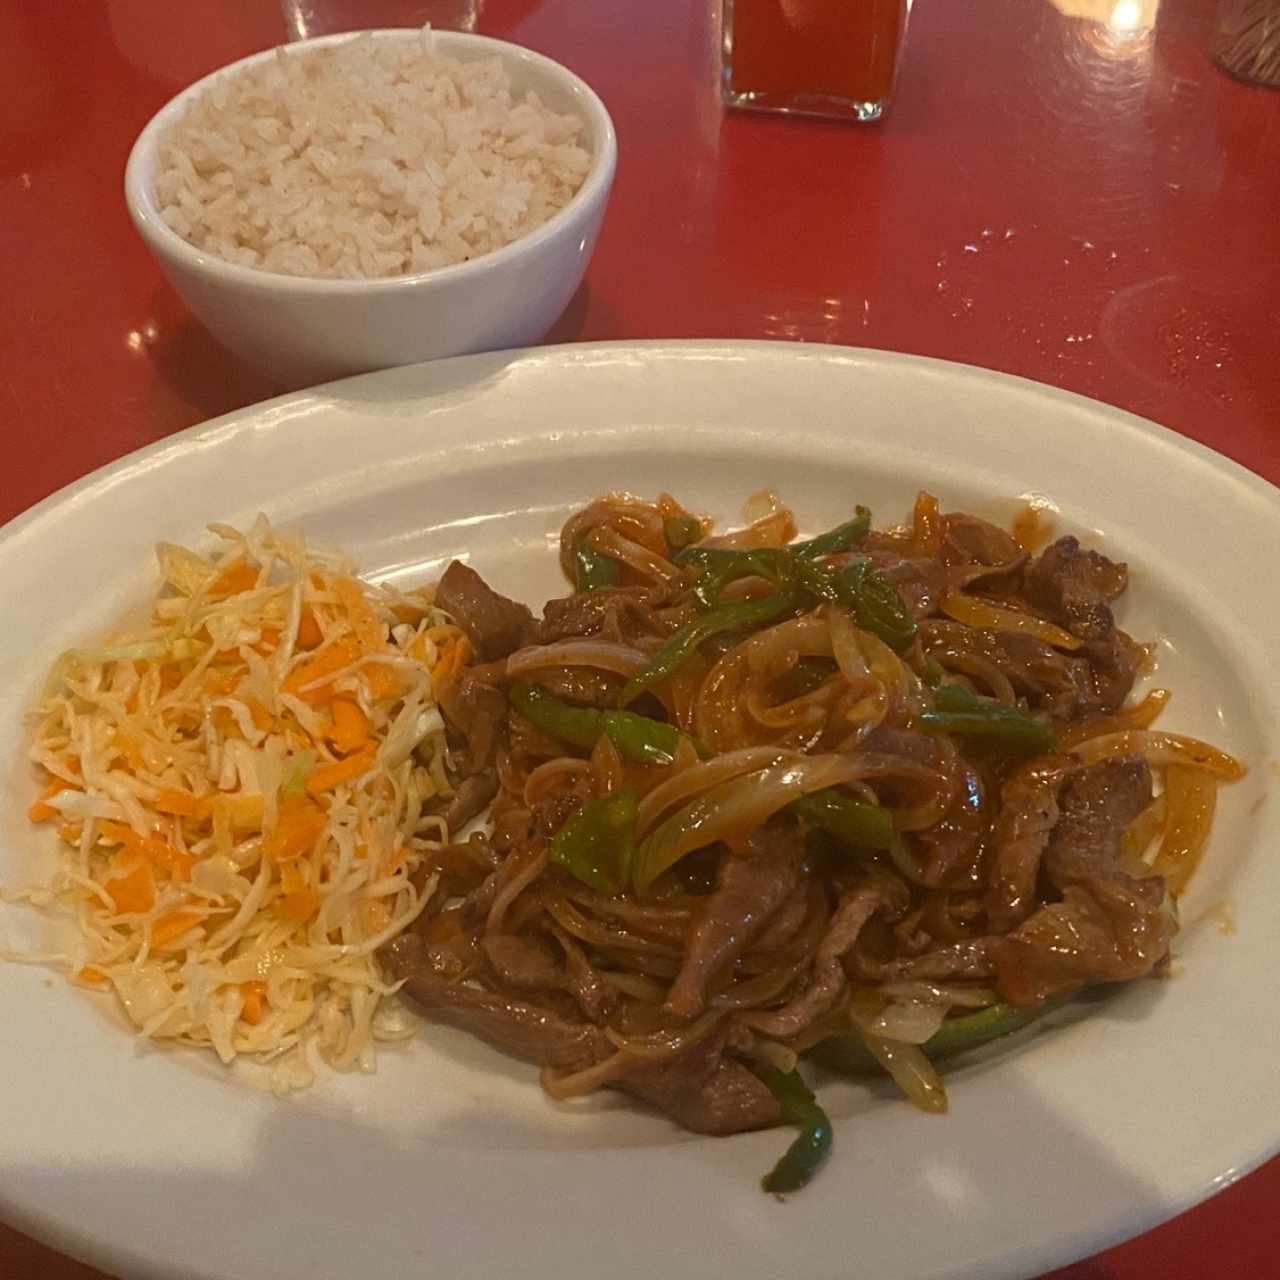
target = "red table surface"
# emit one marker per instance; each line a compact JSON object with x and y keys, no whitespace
{"x":1069,"y":191}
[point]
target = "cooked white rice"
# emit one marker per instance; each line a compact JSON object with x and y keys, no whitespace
{"x":370,"y":158}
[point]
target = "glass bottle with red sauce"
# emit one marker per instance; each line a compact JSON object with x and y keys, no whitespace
{"x":832,"y":58}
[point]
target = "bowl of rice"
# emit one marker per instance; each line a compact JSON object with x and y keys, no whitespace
{"x":356,"y":202}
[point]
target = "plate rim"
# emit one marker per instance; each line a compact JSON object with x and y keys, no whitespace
{"x":65,"y":1237}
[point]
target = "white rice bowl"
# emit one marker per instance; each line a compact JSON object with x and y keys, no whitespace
{"x":365,"y":159}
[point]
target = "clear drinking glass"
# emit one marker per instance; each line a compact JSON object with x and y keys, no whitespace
{"x":832,"y":58}
{"x":306,"y":18}
{"x":1246,"y":39}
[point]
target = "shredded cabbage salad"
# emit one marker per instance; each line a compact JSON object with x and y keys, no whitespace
{"x":239,"y":792}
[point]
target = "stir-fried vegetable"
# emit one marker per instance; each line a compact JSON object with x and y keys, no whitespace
{"x":593,"y":570}
{"x":682,"y":645}
{"x":805,"y":1156}
{"x":848,"y":1051}
{"x":961,"y":712}
{"x":638,"y":738}
{"x":865,"y":826}
{"x":595,"y":844}
{"x":869,"y":595}
{"x":844,"y":537}
{"x":681,"y":531}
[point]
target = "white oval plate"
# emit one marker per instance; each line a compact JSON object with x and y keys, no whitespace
{"x":450,"y":1161}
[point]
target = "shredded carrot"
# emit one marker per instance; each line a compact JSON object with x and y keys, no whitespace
{"x":171,"y":676}
{"x":298,"y":907}
{"x":331,"y":659}
{"x":309,"y":634}
{"x":364,"y":621}
{"x":134,"y":889}
{"x":292,"y":878}
{"x":181,"y":804}
{"x":350,"y":730}
{"x":157,"y":851}
{"x":42,"y":812}
{"x":408,"y":613}
{"x":300,"y":825}
{"x":268,"y":641}
{"x":255,"y":1002}
{"x":980,"y":613}
{"x":381,"y":680}
{"x":328,"y":776}
{"x":70,"y":832}
{"x":926,"y":526}
{"x":132,"y":749}
{"x":92,"y":974}
{"x":234,"y":579}
{"x":262,"y":718}
{"x":172,"y":925}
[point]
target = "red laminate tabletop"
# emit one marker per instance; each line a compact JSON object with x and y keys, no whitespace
{"x":1063,"y":189}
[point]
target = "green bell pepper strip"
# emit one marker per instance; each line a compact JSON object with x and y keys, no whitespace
{"x":592,"y":570}
{"x":961,"y":712}
{"x":862,"y":825}
{"x":805,"y":1156}
{"x":681,"y":646}
{"x":868,"y":594}
{"x":849,"y":1052}
{"x":595,"y":844}
{"x":721,"y":566}
{"x":638,"y":738}
{"x":844,"y":537}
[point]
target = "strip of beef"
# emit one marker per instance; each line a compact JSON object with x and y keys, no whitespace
{"x":702,"y":1089}
{"x":1098,"y":804}
{"x":748,"y":894}
{"x":829,"y":978}
{"x":1076,"y":587}
{"x":1028,"y":813}
{"x":626,"y":610}
{"x":470,"y":800}
{"x":1115,"y":662}
{"x":476,"y":710}
{"x":1109,"y":925}
{"x":534,"y":963}
{"x":959,"y":961}
{"x":523,"y":1029}
{"x":981,"y":543}
{"x":495,"y":625}
{"x":919,"y":581}
{"x":1051,"y":681}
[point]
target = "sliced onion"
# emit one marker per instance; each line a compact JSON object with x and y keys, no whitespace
{"x":775,"y":530}
{"x":604,"y":655}
{"x":701,"y":777}
{"x":933,"y":993}
{"x":662,"y":1046}
{"x":1162,"y":749}
{"x":648,"y":564}
{"x":978,"y":613}
{"x":913,"y":1073}
{"x":739,"y":805}
{"x":910,"y":1021}
{"x":1191,"y":796}
{"x":578,"y":1083}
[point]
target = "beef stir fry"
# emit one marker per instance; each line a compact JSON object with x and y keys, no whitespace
{"x":875,"y":796}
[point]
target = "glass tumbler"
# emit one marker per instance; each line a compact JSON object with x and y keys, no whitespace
{"x":306,"y":18}
{"x":837,"y":59}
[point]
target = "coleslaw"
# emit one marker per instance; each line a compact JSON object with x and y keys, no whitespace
{"x":241,"y":792}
